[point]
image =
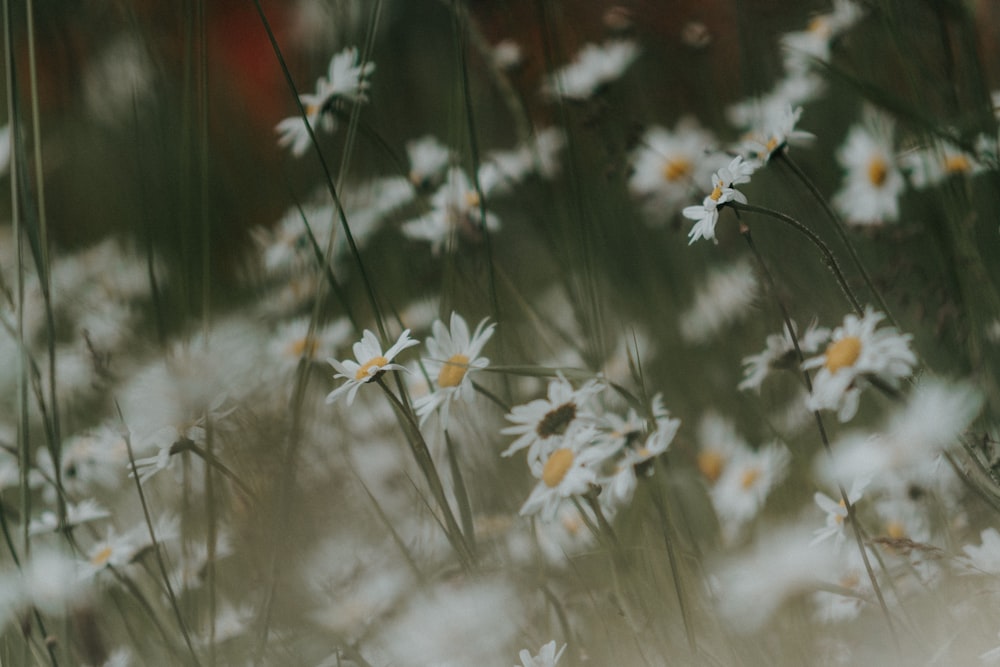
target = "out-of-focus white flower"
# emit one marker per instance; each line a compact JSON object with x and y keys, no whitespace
{"x":774,"y":133}
{"x":935,"y":416}
{"x":548,"y":656}
{"x":371,"y":362}
{"x":813,"y":43}
{"x":507,"y":54}
{"x":933,"y":165}
{"x":455,"y":207}
{"x":985,"y":558}
{"x":719,"y":444}
{"x":345,"y":80}
{"x":51,"y":582}
{"x":858,"y":351}
{"x":291,"y":342}
{"x":76,"y":513}
{"x":434,"y":627}
{"x":593,"y":67}
{"x":428,"y":159}
{"x":741,"y":490}
{"x":667,"y":165}
{"x":836,"y":512}
{"x":723,"y":299}
{"x":873,"y":182}
{"x":780,"y":353}
{"x":453,"y":354}
{"x":705,"y":216}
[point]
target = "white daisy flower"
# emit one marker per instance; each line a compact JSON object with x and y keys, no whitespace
{"x":705,"y":216}
{"x":666,"y":165}
{"x":744,"y":485}
{"x":428,"y":160}
{"x":291,"y":342}
{"x":345,"y":79}
{"x":719,"y":444}
{"x":836,"y":512}
{"x":371,"y":362}
{"x":548,"y":656}
{"x":543,"y":424}
{"x":568,"y":471}
{"x":858,"y":351}
{"x":635,"y":451}
{"x":593,"y":67}
{"x":873,"y":182}
{"x":774,"y":133}
{"x":456,"y":206}
{"x":933,"y":165}
{"x":453,"y":354}
{"x":813,"y":43}
{"x":780,"y":353}
{"x":723,"y":299}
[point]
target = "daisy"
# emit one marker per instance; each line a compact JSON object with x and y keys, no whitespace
{"x":705,"y":216}
{"x":774,"y":133}
{"x":593,"y":67}
{"x":858,"y":351}
{"x":370,"y":364}
{"x":453,"y":356}
{"x":543,"y":424}
{"x":636,"y":452}
{"x":744,"y":485}
{"x":428,"y":160}
{"x":873,"y":181}
{"x":719,"y":445}
{"x":666,"y":165}
{"x":456,"y":206}
{"x":780,"y":354}
{"x":933,"y":165}
{"x":836,"y":512}
{"x":723,"y":299}
{"x":345,"y":79}
{"x":548,"y":656}
{"x":568,"y":471}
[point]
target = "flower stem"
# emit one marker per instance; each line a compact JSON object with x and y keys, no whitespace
{"x":831,"y":261}
{"x":838,"y":226}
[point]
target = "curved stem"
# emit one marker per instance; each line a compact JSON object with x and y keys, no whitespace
{"x":831,"y":261}
{"x":838,"y":226}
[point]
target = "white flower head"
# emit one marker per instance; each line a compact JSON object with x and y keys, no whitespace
{"x":453,"y":355}
{"x":873,"y":181}
{"x":548,"y":656}
{"x":723,"y":299}
{"x":428,"y":159}
{"x":371,"y":362}
{"x":836,"y":512}
{"x":858,"y":350}
{"x":744,"y":485}
{"x":345,"y":79}
{"x":774,"y":133}
{"x":705,"y":216}
{"x":667,"y":164}
{"x":543,"y":424}
{"x":933,"y":165}
{"x":568,"y":471}
{"x":593,"y":67}
{"x":455,"y":207}
{"x":780,"y":353}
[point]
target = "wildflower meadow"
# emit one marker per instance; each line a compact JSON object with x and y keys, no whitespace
{"x":460,"y":333}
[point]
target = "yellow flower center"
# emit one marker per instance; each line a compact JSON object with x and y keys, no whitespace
{"x":297,"y":347}
{"x":572,"y":524}
{"x":674,"y":170}
{"x":362,"y":373}
{"x":839,"y":518}
{"x":878,"y":171}
{"x":716,"y":193}
{"x":557,"y":466}
{"x":453,"y":371}
{"x":710,"y":464}
{"x":896,"y":530}
{"x":749,"y":476}
{"x":842,"y":353}
{"x":819,"y":26}
{"x":472,"y":199}
{"x":957,"y":164}
{"x":850,"y":580}
{"x":771,"y":144}
{"x":311,"y":109}
{"x":101,"y":557}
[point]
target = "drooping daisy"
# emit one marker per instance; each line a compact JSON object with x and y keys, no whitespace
{"x":873,"y":182}
{"x":345,"y":79}
{"x":548,"y":656}
{"x":371,"y":362}
{"x":666,"y":166}
{"x":455,"y":207}
{"x":858,"y":351}
{"x":836,"y":512}
{"x":780,"y":354}
{"x":705,"y":216}
{"x":774,"y":133}
{"x":635,"y":453}
{"x":543,"y":424}
{"x":453,"y":354}
{"x":593,"y":67}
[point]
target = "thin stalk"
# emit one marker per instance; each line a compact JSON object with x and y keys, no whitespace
{"x":188,"y":445}
{"x":831,"y":261}
{"x":838,"y":226}
{"x":661,"y":511}
{"x":127,"y":436}
{"x":848,"y":505}
{"x":423,"y":456}
{"x":461,"y":494}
